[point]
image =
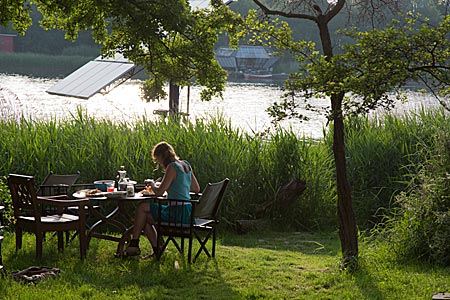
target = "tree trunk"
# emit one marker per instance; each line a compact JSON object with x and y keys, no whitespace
{"x":347,"y":224}
{"x":174,"y":97}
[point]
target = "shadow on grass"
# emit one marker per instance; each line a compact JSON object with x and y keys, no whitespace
{"x":304,"y":242}
{"x":101,"y":274}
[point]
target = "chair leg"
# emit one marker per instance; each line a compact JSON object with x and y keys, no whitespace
{"x":202,"y":243}
{"x":60,"y":235}
{"x":83,"y":242}
{"x":213,"y":250}
{"x":39,"y":238}
{"x":190,"y":249}
{"x":18,"y":238}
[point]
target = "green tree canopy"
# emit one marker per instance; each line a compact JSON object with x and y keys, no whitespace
{"x":169,"y":38}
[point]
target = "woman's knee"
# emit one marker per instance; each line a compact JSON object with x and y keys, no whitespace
{"x":143,"y":207}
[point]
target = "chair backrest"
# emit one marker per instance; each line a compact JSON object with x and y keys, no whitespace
{"x":23,"y":194}
{"x":210,"y":200}
{"x":57,"y":184}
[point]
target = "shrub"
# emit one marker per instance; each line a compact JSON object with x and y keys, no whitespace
{"x":421,"y":225}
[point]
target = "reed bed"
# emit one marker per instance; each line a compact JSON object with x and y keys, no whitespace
{"x":256,"y":165}
{"x":383,"y":153}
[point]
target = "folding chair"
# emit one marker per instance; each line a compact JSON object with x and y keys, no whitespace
{"x":57,"y":184}
{"x":206,"y":214}
{"x":174,"y":224}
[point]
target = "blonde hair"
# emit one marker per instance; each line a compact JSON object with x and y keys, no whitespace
{"x":166,"y":152}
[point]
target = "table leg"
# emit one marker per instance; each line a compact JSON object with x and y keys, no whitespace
{"x":126,"y":237}
{"x":104,"y":220}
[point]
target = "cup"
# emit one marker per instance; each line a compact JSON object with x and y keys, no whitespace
{"x":110,"y":187}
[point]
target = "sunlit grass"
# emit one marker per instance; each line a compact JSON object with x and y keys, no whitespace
{"x":263,"y":265}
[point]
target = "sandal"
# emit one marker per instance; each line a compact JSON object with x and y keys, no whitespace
{"x":132,"y":251}
{"x":150,"y":255}
{"x":154,"y":253}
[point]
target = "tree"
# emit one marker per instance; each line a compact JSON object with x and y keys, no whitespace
{"x":168,"y":38}
{"x":17,"y":12}
{"x":377,"y":62}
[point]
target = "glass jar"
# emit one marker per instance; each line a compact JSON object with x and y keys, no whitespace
{"x":130,"y":190}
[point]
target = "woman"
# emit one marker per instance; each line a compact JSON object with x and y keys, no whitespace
{"x":178,"y":181}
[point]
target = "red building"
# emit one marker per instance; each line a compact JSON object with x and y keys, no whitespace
{"x":7,"y":42}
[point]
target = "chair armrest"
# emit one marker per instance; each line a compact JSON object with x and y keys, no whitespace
{"x":63,"y":202}
{"x":54,"y":197}
{"x":166,"y":200}
{"x":195,"y":195}
{"x":174,"y":218}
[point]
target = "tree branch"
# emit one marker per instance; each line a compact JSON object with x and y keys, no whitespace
{"x":268,"y":11}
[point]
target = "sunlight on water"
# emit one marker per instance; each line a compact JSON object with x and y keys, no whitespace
{"x":244,"y":104}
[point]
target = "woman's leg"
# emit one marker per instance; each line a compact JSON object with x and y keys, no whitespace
{"x":150,"y":231}
{"x":140,"y":219}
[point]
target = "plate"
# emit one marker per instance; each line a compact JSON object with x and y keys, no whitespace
{"x":89,"y":193}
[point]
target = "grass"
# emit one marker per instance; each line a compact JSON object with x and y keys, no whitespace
{"x":260,"y":265}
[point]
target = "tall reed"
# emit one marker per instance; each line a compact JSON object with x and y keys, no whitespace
{"x":256,"y":165}
{"x":383,"y":154}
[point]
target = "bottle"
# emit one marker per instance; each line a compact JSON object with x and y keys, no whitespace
{"x":122,"y":181}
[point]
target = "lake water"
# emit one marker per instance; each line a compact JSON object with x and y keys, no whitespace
{"x":244,"y":104}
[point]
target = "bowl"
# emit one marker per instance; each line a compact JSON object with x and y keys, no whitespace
{"x":102,"y":184}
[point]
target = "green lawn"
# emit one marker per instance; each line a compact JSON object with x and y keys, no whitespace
{"x":271,"y":265}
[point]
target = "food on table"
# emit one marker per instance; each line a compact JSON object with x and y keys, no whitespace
{"x":93,"y":192}
{"x":147,"y":192}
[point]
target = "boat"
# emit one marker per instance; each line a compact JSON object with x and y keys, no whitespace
{"x":257,"y":76}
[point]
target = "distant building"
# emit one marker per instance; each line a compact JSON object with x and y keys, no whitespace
{"x":246,"y":60}
{"x":7,"y":42}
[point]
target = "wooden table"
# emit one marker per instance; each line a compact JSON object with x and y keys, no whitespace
{"x":119,"y":217}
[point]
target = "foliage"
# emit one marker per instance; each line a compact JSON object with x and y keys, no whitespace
{"x":383,"y":155}
{"x":5,"y":200}
{"x":17,"y":12}
{"x":378,"y":62}
{"x":383,"y":60}
{"x":421,"y":226}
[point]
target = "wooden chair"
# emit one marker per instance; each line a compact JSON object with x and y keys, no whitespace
{"x":28,"y":214}
{"x":201,"y":223}
{"x":206,"y":216}
{"x":57,"y":184}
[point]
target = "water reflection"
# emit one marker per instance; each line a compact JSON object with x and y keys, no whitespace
{"x":244,"y":104}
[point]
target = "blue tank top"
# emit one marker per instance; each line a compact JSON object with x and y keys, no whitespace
{"x":181,"y":186}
